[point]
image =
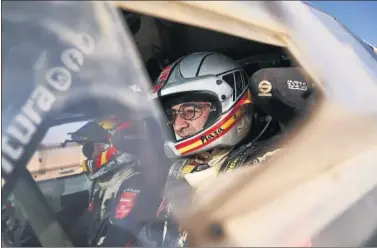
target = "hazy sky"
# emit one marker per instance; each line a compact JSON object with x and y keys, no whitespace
{"x":58,"y":134}
{"x":358,"y":16}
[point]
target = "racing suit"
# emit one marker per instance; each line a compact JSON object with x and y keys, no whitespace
{"x":196,"y":170}
{"x":117,"y":210}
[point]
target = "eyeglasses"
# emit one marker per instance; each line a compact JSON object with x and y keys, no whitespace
{"x":188,"y":111}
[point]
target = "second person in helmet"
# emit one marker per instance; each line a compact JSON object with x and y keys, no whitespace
{"x":208,"y":109}
{"x":122,"y":199}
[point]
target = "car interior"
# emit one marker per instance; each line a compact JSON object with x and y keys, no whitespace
{"x":160,"y":43}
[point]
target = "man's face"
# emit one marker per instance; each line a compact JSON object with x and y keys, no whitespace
{"x":189,"y":117}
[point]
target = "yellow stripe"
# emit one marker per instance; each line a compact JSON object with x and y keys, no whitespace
{"x":187,"y":169}
{"x":83,"y":166}
{"x":224,"y":127}
{"x":189,"y":147}
{"x":103,"y":157}
{"x":106,"y":124}
{"x":231,"y":120}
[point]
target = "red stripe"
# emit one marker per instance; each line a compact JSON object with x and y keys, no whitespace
{"x":123,"y":125}
{"x":161,"y":79}
{"x":214,"y":128}
{"x":212,"y":140}
{"x":163,"y":76}
{"x":157,"y":87}
{"x":110,"y":152}
{"x":164,"y":73}
{"x":98,"y":161}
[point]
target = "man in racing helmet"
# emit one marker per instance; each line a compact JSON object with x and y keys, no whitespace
{"x":209,"y":112}
{"x":114,"y":215}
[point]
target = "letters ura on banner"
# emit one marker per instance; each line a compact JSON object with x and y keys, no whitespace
{"x":59,"y":79}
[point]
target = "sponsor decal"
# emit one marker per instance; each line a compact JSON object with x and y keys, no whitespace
{"x":297,"y":85}
{"x":231,"y":166}
{"x":263,"y":159}
{"x":124,"y":207}
{"x":264,"y":88}
{"x":242,"y":126}
{"x":133,"y":190}
{"x":215,"y":134}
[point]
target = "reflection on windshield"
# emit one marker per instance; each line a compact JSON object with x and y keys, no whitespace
{"x":55,"y":189}
{"x":83,"y":64}
{"x":52,"y":160}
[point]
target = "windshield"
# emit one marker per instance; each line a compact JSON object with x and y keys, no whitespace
{"x":57,"y":169}
{"x":64,"y":67}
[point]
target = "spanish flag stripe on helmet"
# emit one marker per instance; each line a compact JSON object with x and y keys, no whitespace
{"x":110,"y":152}
{"x":83,"y":166}
{"x":123,"y":125}
{"x":162,"y":78}
{"x":103,"y":157}
{"x":230,"y":121}
{"x":225,"y":124}
{"x":98,"y":161}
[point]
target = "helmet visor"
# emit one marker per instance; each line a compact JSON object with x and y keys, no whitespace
{"x":191,"y":113}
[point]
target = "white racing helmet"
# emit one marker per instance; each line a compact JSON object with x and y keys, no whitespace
{"x":208,"y":77}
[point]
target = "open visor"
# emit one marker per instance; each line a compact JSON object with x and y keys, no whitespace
{"x":189,"y":113}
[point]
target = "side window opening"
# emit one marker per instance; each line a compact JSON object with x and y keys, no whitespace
{"x":239,"y":83}
{"x":230,"y":79}
{"x":245,"y":79}
{"x":235,"y":85}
